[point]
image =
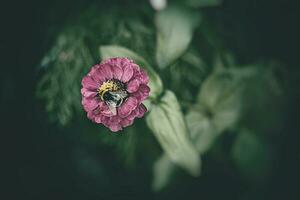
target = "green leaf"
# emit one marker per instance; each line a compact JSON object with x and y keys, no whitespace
{"x":249,"y":153}
{"x":155,"y":84}
{"x":175,"y":27}
{"x":203,"y":3}
{"x":158,"y":4}
{"x":221,"y":97}
{"x":203,"y":135}
{"x":162,"y":172}
{"x":202,"y":131}
{"x":65,"y":64}
{"x":168,"y":126}
{"x":217,"y":109}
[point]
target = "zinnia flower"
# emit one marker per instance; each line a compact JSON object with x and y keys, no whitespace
{"x":113,"y":91}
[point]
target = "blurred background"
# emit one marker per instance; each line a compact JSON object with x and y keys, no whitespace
{"x":233,"y":66}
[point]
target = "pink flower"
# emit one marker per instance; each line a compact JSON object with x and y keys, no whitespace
{"x":113,"y":91}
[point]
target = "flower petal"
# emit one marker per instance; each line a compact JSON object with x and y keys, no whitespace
{"x":105,"y":120}
{"x":144,"y":78}
{"x":91,"y":116}
{"x":96,"y":75}
{"x":116,"y":67}
{"x":106,"y":71}
{"x":98,"y":119}
{"x":142,"y":109}
{"x":133,"y":114}
{"x":115,"y":127}
{"x":127,"y":73}
{"x":115,"y":120}
{"x":117,"y":72}
{"x":88,"y":93}
{"x":142,"y":93}
{"x":94,"y":70}
{"x":127,"y":107}
{"x":126,"y":122}
{"x":89,"y":83}
{"x":89,"y":104}
{"x":133,"y":85}
{"x":144,"y":90}
{"x":136,"y":68}
{"x":104,"y":110}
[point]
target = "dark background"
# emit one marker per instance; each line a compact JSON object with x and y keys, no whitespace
{"x":38,"y":160}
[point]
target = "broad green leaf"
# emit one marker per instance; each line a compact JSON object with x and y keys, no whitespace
{"x":155,"y":83}
{"x":221,"y":97}
{"x":249,"y":153}
{"x":202,"y":131}
{"x":158,"y":4}
{"x":168,"y":126}
{"x":175,"y":27}
{"x":162,"y":172}
{"x":203,"y":135}
{"x":203,"y":3}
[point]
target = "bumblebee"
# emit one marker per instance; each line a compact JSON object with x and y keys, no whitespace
{"x":113,"y":93}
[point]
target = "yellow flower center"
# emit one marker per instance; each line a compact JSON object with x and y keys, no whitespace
{"x":108,"y":86}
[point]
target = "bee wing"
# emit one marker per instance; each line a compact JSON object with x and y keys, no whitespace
{"x":112,"y":107}
{"x":120,"y":94}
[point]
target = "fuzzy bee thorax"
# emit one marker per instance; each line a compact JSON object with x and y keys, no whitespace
{"x":110,"y":86}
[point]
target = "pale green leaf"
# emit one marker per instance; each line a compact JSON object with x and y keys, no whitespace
{"x":158,"y":4}
{"x":168,"y":126}
{"x":203,"y":135}
{"x":175,"y":27}
{"x":202,"y":131}
{"x":221,"y":97}
{"x":162,"y":172}
{"x":155,"y":83}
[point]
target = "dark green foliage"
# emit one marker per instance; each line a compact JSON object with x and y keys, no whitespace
{"x":200,"y":90}
{"x":66,"y":63}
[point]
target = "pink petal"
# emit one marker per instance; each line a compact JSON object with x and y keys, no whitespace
{"x":96,"y":75}
{"x":126,"y":122}
{"x":135,"y":68}
{"x":89,"y":83}
{"x":105,"y":120}
{"x":91,"y":116}
{"x":106,"y":71}
{"x":97,"y":111}
{"x":142,"y":109}
{"x":93,"y":70}
{"x":88,"y":93}
{"x":133,"y":114}
{"x":115,"y":127}
{"x":133,"y":85}
{"x":94,"y":115}
{"x":98,"y":119}
{"x":127,"y":107}
{"x":89,"y":104}
{"x":142,"y":93}
{"x":115,"y":120}
{"x":104,"y":110}
{"x":117,"y":72}
{"x":127,"y":73}
{"x":144,"y":78}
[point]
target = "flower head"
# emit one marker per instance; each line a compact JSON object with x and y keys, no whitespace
{"x":113,"y":91}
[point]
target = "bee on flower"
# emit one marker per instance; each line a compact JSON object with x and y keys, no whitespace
{"x":113,"y":92}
